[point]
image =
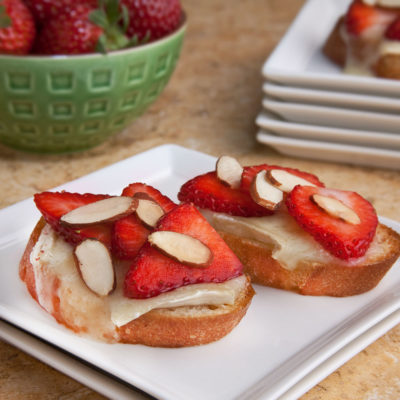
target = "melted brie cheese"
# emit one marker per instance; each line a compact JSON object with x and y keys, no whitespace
{"x":289,"y":243}
{"x":389,"y":47}
{"x":124,"y":310}
{"x":93,"y":314}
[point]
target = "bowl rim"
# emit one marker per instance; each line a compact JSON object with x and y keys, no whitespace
{"x":179,"y":30}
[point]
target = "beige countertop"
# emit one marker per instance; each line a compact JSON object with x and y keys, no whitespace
{"x":209,"y":105}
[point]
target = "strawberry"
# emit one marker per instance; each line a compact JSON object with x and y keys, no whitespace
{"x":249,"y":174}
{"x":342,"y":239}
{"x":393,"y":32}
{"x":152,"y":19}
{"x":361,"y":16}
{"x":153,"y":273}
{"x":53,"y":205}
{"x":17,"y":27}
{"x":45,"y":10}
{"x":207,"y":191}
{"x":129,"y":233}
{"x":81,"y":29}
{"x":165,"y":202}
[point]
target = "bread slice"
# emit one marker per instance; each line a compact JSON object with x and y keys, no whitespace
{"x":317,"y":278}
{"x":336,"y":49}
{"x":71,"y":303}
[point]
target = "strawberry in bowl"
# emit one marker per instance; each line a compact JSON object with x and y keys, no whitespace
{"x":84,"y":71}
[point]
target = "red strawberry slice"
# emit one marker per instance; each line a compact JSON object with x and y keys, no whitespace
{"x":249,"y":173}
{"x":153,"y":273}
{"x":165,"y":202}
{"x":207,"y":191}
{"x":393,"y":32}
{"x":53,"y":205}
{"x":342,"y":239}
{"x":129,"y":233}
{"x":361,"y":16}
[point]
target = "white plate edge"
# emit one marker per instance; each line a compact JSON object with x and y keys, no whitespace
{"x":267,"y":121}
{"x":67,"y":364}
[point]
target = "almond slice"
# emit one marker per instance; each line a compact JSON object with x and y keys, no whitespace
{"x":95,"y":266}
{"x":286,"y":181}
{"x":183,"y":248}
{"x":264,"y":193}
{"x":336,"y":208}
{"x":106,"y":210}
{"x":229,"y":171}
{"x":149,"y":212}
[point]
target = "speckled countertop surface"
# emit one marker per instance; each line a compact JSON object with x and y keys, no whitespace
{"x":209,"y":105}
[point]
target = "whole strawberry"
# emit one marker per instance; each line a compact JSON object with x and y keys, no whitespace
{"x":17,"y":27}
{"x":152,"y":19}
{"x":45,"y":10}
{"x":81,"y":29}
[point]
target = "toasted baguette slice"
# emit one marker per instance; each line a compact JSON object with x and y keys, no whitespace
{"x":316,"y":278}
{"x":72,"y":304}
{"x":335,"y":48}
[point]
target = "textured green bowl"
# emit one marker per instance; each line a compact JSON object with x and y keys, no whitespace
{"x":70,"y":103}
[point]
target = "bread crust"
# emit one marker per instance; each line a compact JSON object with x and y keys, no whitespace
{"x":315,"y":279}
{"x":335,"y":47}
{"x":174,"y":327}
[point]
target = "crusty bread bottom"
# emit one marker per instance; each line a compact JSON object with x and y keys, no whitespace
{"x":175,"y":327}
{"x":317,"y":279}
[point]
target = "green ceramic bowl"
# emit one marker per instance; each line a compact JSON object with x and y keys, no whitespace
{"x":69,"y":103}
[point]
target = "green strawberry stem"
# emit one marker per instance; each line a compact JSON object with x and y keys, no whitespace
{"x":114,"y":20}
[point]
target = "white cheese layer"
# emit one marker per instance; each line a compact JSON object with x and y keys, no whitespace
{"x":56,"y":276}
{"x":289,"y":243}
{"x":389,"y":47}
{"x":124,"y":310}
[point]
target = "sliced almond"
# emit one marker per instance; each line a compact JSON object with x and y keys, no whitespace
{"x":106,"y":210}
{"x":264,"y":193}
{"x":336,"y":208}
{"x":229,"y":171}
{"x":149,"y":212}
{"x":95,"y":266}
{"x":286,"y":181}
{"x":183,"y":248}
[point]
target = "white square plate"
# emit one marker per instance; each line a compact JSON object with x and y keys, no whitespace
{"x":283,"y":337}
{"x":328,"y":151}
{"x":272,"y":123}
{"x":298,"y":59}
{"x":332,"y":99}
{"x":334,"y":117}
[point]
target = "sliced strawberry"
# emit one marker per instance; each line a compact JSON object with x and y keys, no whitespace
{"x":53,"y":205}
{"x":393,"y":32}
{"x":249,"y":173}
{"x":342,"y":239}
{"x":207,"y":191}
{"x":165,"y":202}
{"x":361,"y":16}
{"x":129,"y":233}
{"x":153,"y":273}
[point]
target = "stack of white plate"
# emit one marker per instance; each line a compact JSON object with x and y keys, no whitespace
{"x":312,"y":109}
